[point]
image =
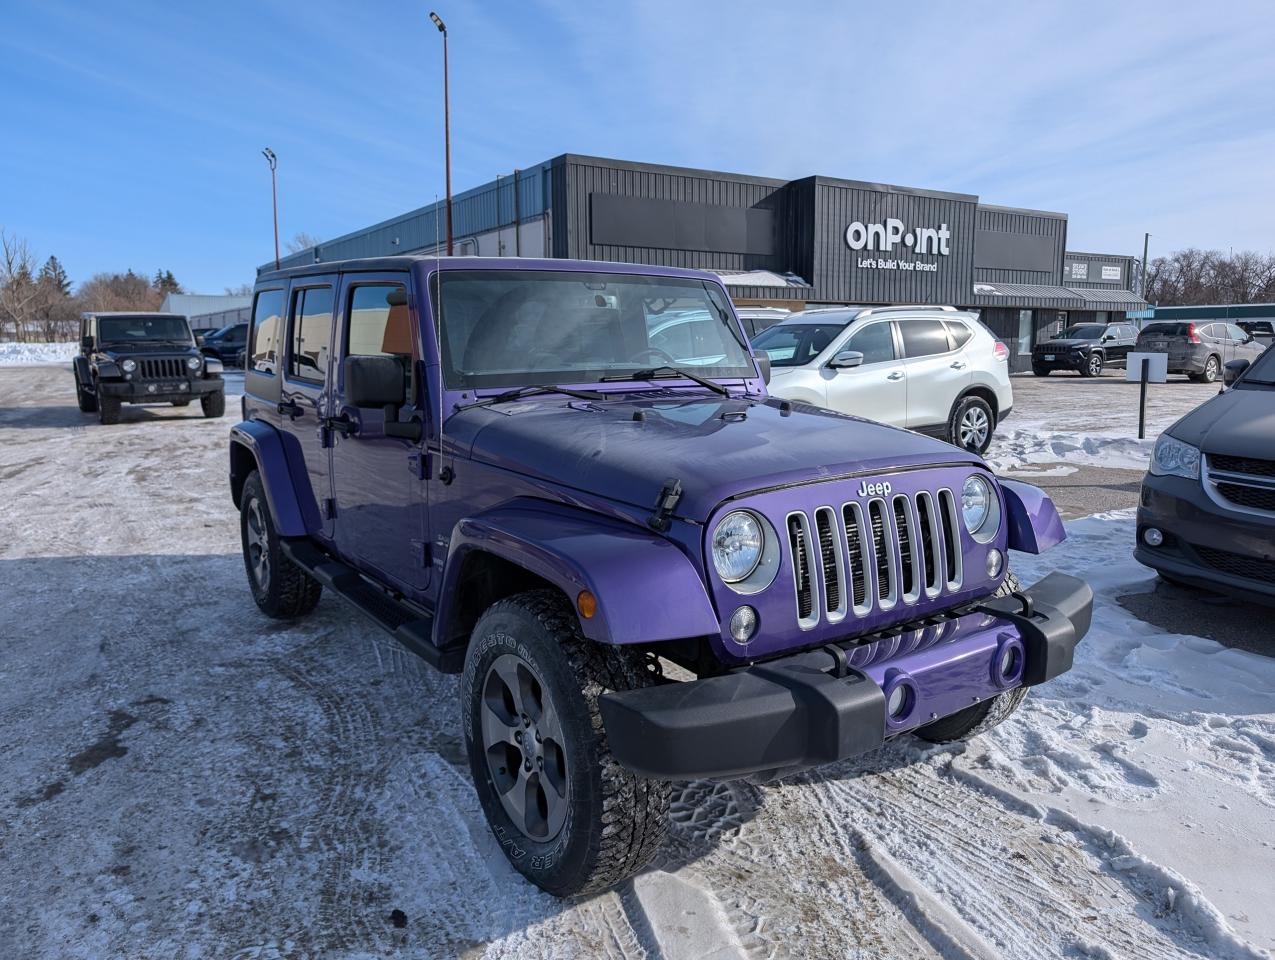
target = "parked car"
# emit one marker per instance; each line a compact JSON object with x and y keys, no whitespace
{"x":143,"y":358}
{"x":1086,"y":348}
{"x":1207,"y":511}
{"x":757,"y":319}
{"x":824,"y":582}
{"x":227,"y":344}
{"x":1263,"y":331}
{"x":1200,"y":350}
{"x":935,"y":370}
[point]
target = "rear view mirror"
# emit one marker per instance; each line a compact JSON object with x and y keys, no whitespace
{"x":846,"y":359}
{"x":1233,"y":371}
{"x":763,"y":364}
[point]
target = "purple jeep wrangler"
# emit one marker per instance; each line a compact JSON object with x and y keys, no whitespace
{"x":565,"y":481}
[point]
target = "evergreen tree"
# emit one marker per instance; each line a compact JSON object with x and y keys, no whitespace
{"x":53,"y":275}
{"x":165,"y":282}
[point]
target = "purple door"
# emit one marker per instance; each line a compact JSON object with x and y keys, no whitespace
{"x":381,"y":515}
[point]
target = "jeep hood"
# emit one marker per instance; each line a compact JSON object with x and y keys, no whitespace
{"x":1237,"y":423}
{"x":626,"y":448}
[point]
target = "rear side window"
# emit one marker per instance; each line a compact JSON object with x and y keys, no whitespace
{"x":310,"y":333}
{"x":1165,"y":330}
{"x":379,"y":325}
{"x":875,"y":342}
{"x":959,"y":333}
{"x":923,"y":338}
{"x":267,"y":321}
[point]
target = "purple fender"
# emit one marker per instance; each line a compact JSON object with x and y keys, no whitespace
{"x":1031,"y":517}
{"x":646,"y":588}
{"x":259,"y":446}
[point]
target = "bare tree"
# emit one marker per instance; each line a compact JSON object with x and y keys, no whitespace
{"x":119,"y":291}
{"x":19,"y":292}
{"x":1193,"y":277}
{"x":302,"y":241}
{"x":243,"y":290}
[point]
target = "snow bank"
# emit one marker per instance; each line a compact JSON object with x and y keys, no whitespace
{"x":1015,"y":449}
{"x":33,"y":354}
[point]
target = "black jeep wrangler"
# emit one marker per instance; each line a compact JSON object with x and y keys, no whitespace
{"x":143,"y":358}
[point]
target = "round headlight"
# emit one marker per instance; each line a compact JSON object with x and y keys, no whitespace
{"x":737,"y":546}
{"x":128,"y":366}
{"x":976,"y":503}
{"x":192,"y":363}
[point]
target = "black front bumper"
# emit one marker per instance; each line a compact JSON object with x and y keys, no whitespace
{"x":813,"y":708}
{"x":1061,"y":361}
{"x":1227,"y":550}
{"x":138,"y":391}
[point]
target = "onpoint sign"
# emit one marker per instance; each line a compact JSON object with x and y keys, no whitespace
{"x":885,"y":236}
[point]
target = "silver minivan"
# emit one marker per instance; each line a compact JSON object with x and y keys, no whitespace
{"x":1200,"y":350}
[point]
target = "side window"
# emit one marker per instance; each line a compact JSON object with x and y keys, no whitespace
{"x":923,"y":338}
{"x":267,"y":319}
{"x":959,"y":333}
{"x":875,"y":342}
{"x":309,"y":333}
{"x":379,"y":324}
{"x":1235,"y":333}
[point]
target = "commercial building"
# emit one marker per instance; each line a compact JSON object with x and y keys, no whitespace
{"x":775,"y":242}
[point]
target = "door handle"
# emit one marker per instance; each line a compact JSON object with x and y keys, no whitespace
{"x":897,"y":375}
{"x":342,"y":424}
{"x":958,"y":365}
{"x":288,"y":407}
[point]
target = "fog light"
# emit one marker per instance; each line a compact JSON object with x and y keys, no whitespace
{"x":1153,"y":537}
{"x":150,"y":388}
{"x":1009,"y":661}
{"x":994,"y":560}
{"x":899,"y":702}
{"x":743,"y":624}
{"x":183,"y":386}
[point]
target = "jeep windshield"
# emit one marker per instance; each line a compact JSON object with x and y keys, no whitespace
{"x":510,"y":328}
{"x":142,"y":329}
{"x":1261,"y":373}
{"x":1086,"y":331}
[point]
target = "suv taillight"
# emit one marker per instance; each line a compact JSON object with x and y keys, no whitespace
{"x":1191,"y":334}
{"x":1001,"y":351}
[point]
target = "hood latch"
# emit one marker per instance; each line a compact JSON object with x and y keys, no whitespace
{"x":665,"y":504}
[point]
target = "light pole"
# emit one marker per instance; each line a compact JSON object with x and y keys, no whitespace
{"x":274,"y":200}
{"x":447,"y":127}
{"x":1142,"y":286}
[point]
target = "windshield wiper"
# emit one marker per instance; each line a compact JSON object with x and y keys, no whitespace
{"x":532,"y":391}
{"x":666,"y":372}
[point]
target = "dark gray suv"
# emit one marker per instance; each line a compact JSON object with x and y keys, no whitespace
{"x":1200,"y":350}
{"x":1207,"y":511}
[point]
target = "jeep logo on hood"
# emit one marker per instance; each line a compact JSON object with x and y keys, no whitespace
{"x":873,"y":489}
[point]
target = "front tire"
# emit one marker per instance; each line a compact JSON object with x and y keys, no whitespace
{"x":1041,"y":371}
{"x":971,"y":424}
{"x":108,"y":410}
{"x":281,"y":589}
{"x":1092,"y":367}
{"x":568,"y":817}
{"x":84,"y":397}
{"x":213,"y":404}
{"x":981,"y":717}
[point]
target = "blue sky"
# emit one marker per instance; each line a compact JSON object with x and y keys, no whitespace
{"x":133,"y":130}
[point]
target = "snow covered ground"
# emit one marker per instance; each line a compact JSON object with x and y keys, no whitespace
{"x":31,"y":354}
{"x":181,"y":777}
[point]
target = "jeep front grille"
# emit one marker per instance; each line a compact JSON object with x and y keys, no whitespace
{"x":874,"y":556}
{"x":162,"y":368}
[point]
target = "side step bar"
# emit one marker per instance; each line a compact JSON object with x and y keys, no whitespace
{"x":411,"y":627}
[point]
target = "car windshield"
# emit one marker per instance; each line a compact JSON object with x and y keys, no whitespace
{"x":795,"y":344}
{"x":505,"y":328}
{"x":1262,"y":370}
{"x":1084,"y":331}
{"x":117,"y":329}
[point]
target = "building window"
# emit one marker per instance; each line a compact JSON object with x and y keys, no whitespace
{"x":1024,"y":333}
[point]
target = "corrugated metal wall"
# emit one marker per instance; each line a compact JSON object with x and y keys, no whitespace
{"x":837,"y":272}
{"x":1005,"y":220}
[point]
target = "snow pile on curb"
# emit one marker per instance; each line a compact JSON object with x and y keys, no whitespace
{"x":1015,"y":449}
{"x":35,"y":354}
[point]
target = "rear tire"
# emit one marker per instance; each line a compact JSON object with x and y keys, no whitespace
{"x":1212,"y":366}
{"x":981,"y":717}
{"x":281,"y":589}
{"x":971,"y":424}
{"x":108,"y":410}
{"x":1041,"y":371}
{"x":213,"y":404}
{"x":568,"y":817}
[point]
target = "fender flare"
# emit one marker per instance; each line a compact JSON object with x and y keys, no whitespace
{"x":83,"y":372}
{"x":647,"y":589}
{"x":277,"y":466}
{"x":1031,"y":518}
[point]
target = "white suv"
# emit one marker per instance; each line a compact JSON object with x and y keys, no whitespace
{"x":932,"y":369}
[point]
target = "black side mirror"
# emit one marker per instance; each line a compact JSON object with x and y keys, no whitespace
{"x":199,"y":341}
{"x":86,"y":342}
{"x":380,"y":382}
{"x":1233,"y":371}
{"x":763,"y":364}
{"x":846,"y":359}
